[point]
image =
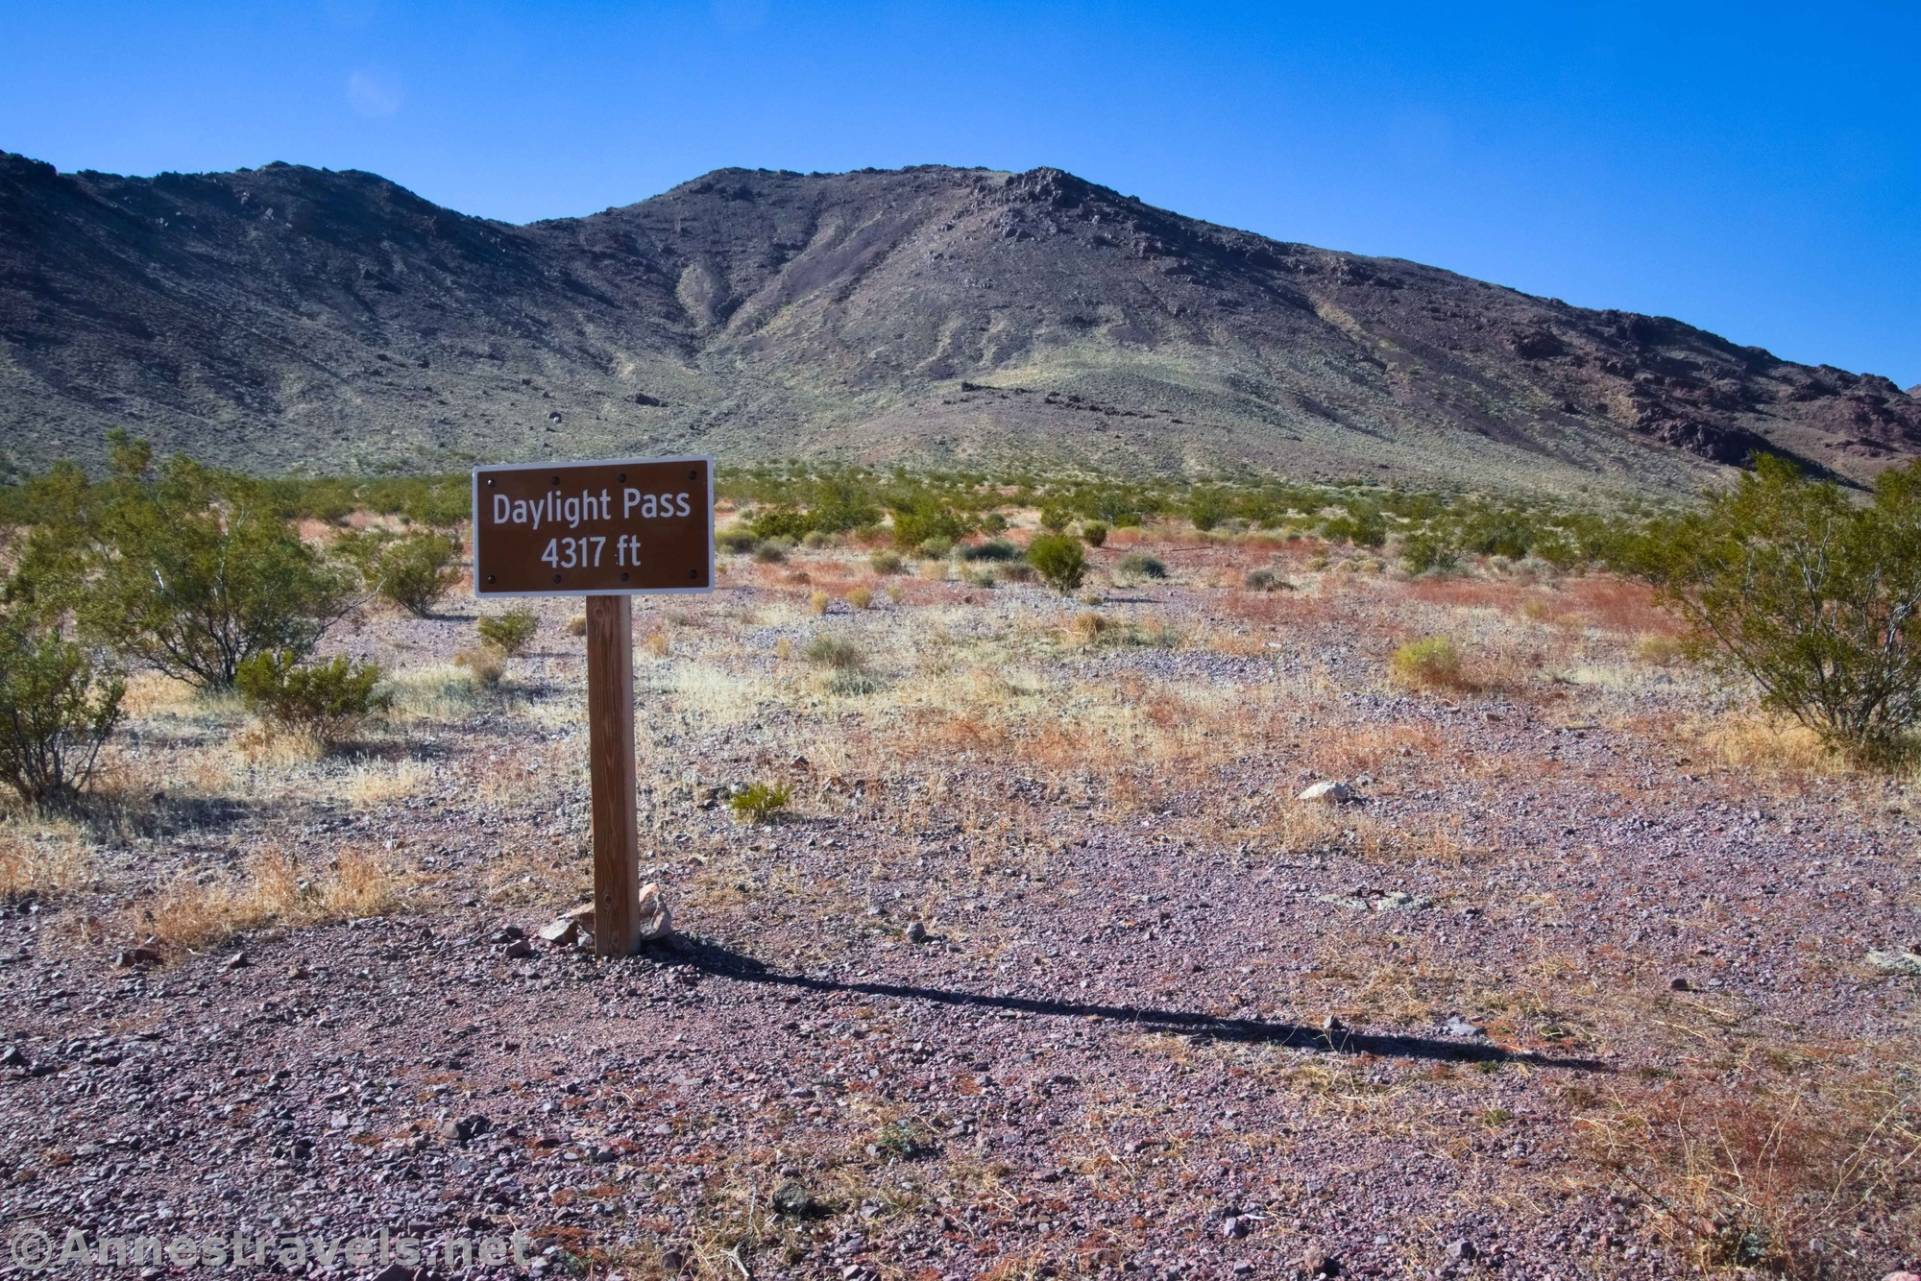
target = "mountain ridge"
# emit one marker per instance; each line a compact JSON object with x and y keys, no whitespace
{"x":291,"y":318}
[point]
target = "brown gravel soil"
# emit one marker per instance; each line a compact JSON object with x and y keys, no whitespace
{"x":1044,"y":971}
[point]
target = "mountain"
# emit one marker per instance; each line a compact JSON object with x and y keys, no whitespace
{"x":289,"y":318}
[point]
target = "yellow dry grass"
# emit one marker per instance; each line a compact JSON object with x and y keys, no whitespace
{"x":272,"y":889}
{"x":44,"y":863}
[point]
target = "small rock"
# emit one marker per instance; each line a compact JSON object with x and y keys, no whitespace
{"x":793,"y":1200}
{"x":567,"y":927}
{"x":507,"y":934}
{"x":656,"y":922}
{"x":916,"y":932}
{"x":1328,"y":792}
{"x":1458,"y":1026}
{"x":466,"y":1129}
{"x":1317,"y":1262}
{"x":1462,"y":1251}
{"x":129,"y":957}
{"x":1907,"y":963}
{"x":296,"y":971}
{"x":238,"y":961}
{"x":1234,"y":1226}
{"x":1902,"y":1276}
{"x":1679,"y":983}
{"x":13,"y":1057}
{"x":518,"y":950}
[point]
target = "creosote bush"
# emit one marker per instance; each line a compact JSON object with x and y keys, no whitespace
{"x":1814,"y":597}
{"x":58,"y":707}
{"x":1059,"y":561}
{"x":1093,"y":533}
{"x":513,"y":631}
{"x":885,"y":563}
{"x":414,"y":572}
{"x":191,"y":571}
{"x":327,"y":701}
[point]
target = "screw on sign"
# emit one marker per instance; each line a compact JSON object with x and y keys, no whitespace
{"x":606,"y":531}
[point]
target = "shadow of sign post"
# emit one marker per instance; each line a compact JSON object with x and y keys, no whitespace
{"x":607,"y":531}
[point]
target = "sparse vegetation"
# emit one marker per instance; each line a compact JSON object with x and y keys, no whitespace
{"x":1141,"y":565}
{"x":326,"y":701}
{"x":1059,"y":561}
{"x":512,"y":631}
{"x":1813,"y":597}
{"x":58,"y":706}
{"x":415,"y":572}
{"x":761,"y":802}
{"x":1433,"y":662}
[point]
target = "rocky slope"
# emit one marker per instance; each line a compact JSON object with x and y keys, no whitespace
{"x":293,"y":318}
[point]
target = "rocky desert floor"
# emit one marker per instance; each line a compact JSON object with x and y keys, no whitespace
{"x":1044,"y":971}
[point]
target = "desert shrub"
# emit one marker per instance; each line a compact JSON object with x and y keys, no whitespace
{"x":484,"y":663}
{"x":815,"y":540}
{"x":835,"y":652}
{"x":1362,"y":526}
{"x":327,"y":701}
{"x":1141,"y":565}
{"x":1093,"y":533}
{"x":861,"y":598}
{"x":1264,"y":580}
{"x":1054,"y":519}
{"x":577,"y":625}
{"x":1206,"y":509}
{"x":1059,"y":561}
{"x":512,"y":631}
{"x":936,"y":548}
{"x":1433,"y":662}
{"x":414,"y":572}
{"x":782,"y":523}
{"x":996,"y":549}
{"x":982,"y":578}
{"x":885,"y":563}
{"x":760,"y":802}
{"x":818,"y":601}
{"x":1426,"y":552}
{"x":1018,"y":572}
{"x":190,"y":572}
{"x":923,"y":518}
{"x":1815,"y":598}
{"x":993,"y":523}
{"x":771,"y":552}
{"x":738,"y":540}
{"x":58,"y":707}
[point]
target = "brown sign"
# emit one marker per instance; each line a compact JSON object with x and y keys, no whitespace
{"x":594,"y":529}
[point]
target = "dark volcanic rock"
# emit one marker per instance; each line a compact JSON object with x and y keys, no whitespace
{"x":285,"y":316}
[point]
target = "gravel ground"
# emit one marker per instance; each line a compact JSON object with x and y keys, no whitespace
{"x":1045,"y":974}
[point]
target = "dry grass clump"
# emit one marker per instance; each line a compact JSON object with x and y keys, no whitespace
{"x":42,"y":865}
{"x":272,"y":889}
{"x":1761,"y":743}
{"x":1814,"y":1176}
{"x":861,"y":597}
{"x":577,"y":625}
{"x":484,"y":663}
{"x":1432,"y":663}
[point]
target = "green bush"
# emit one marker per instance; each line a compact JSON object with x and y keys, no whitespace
{"x":885,"y":563}
{"x":58,"y":707}
{"x":760,"y":802}
{"x":1059,"y":561}
{"x":997,"y":549}
{"x":1054,"y":519}
{"x":993,"y":523}
{"x":415,"y":572}
{"x":936,"y":549}
{"x":737,"y":540}
{"x":1814,"y":597}
{"x":1141,"y":565}
{"x":1427,"y":553}
{"x":918,"y":521}
{"x":772,"y":552}
{"x":326,"y":700}
{"x":1093,"y":533}
{"x":511,"y":632}
{"x":192,"y":573}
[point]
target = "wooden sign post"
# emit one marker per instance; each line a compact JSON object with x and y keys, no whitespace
{"x":606,"y":531}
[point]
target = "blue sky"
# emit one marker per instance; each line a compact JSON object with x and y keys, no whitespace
{"x":1754,"y":169}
